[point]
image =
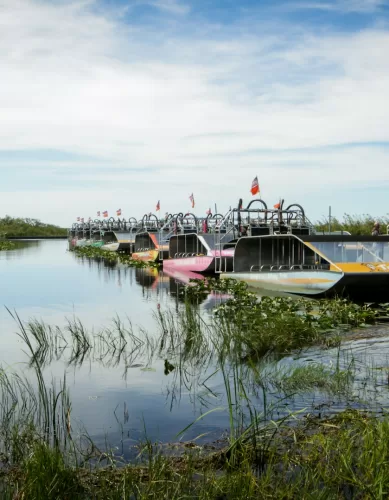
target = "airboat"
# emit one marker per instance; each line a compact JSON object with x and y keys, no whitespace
{"x":283,"y":253}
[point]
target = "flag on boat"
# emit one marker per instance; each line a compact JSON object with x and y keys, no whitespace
{"x":98,"y":214}
{"x":89,"y":219}
{"x":105,"y":213}
{"x":158,"y":206}
{"x":208,"y":212}
{"x":277,"y":205}
{"x":78,"y":219}
{"x":191,"y":197}
{"x":82,"y":219}
{"x":119,"y":212}
{"x":255,"y":186}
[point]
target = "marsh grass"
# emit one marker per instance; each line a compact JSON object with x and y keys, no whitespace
{"x":42,"y":455}
{"x":314,"y":376}
{"x":344,"y":457}
{"x":354,"y":224}
{"x":278,"y":324}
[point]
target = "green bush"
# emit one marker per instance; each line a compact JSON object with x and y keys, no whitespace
{"x":13,"y":227}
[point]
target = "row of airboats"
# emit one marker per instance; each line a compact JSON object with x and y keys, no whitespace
{"x":275,"y":250}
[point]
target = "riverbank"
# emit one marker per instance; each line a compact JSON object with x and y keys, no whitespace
{"x":343,"y":457}
{"x":36,"y":237}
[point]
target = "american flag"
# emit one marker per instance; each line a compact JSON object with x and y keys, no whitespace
{"x":119,"y":212}
{"x":105,"y":213}
{"x":254,"y":186}
{"x":208,"y":212}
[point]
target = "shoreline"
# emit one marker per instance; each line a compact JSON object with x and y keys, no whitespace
{"x":10,"y":238}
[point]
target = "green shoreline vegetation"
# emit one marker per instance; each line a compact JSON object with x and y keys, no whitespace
{"x":354,"y":224}
{"x":295,"y":455}
{"x":11,"y":227}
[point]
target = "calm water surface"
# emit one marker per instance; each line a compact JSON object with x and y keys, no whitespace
{"x":119,"y":398}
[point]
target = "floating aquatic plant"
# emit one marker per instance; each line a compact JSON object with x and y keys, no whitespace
{"x":107,"y":255}
{"x":7,"y":245}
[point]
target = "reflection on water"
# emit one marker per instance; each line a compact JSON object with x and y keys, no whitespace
{"x":131,"y":374}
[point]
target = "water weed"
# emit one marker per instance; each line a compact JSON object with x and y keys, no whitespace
{"x":312,"y":377}
{"x":279,"y":324}
{"x":7,"y":245}
{"x":113,"y":257}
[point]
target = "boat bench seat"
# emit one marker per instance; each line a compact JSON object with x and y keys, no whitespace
{"x":286,"y":267}
{"x":180,"y":255}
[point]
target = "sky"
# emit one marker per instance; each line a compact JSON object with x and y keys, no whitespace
{"x":108,"y":104}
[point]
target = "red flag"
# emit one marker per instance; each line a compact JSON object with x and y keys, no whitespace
{"x":255,"y":186}
{"x":277,"y":205}
{"x":105,"y":213}
{"x":119,"y":212}
{"x":158,"y":206}
{"x":191,"y":197}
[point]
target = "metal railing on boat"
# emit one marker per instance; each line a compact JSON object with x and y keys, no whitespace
{"x":257,"y":221}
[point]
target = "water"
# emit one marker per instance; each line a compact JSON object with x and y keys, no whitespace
{"x":43,"y":280}
{"x":119,"y":397}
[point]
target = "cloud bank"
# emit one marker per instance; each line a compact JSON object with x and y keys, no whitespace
{"x":100,"y":109}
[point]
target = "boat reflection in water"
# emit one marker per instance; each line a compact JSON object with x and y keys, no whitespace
{"x":179,"y":280}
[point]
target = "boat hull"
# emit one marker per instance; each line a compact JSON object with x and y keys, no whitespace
{"x":364,"y":287}
{"x":74,"y":242}
{"x":203,"y":264}
{"x":148,"y":255}
{"x":359,"y":287}
{"x":112,"y":247}
{"x":303,"y":283}
{"x":200,"y":263}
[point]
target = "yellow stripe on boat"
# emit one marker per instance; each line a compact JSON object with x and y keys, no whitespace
{"x":147,"y":255}
{"x":361,"y":267}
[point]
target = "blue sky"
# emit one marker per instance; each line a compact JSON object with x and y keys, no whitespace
{"x":121,"y":103}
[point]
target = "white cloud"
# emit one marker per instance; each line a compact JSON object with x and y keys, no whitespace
{"x":344,"y":6}
{"x":172,"y":6}
{"x":207,"y":110}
